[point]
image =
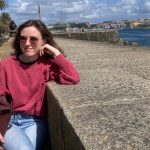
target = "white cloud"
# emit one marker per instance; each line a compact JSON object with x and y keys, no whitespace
{"x":129,"y":2}
{"x":79,"y":10}
{"x":24,"y":5}
{"x":147,"y":5}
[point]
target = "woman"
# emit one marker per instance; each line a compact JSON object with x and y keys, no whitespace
{"x":37,"y":59}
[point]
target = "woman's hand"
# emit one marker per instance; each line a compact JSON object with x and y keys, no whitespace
{"x":1,"y":140}
{"x":49,"y":50}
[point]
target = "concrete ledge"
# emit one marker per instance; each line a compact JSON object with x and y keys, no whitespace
{"x":62,"y":134}
{"x":110,"y":108}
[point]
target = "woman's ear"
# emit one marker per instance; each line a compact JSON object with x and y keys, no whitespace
{"x":44,"y":42}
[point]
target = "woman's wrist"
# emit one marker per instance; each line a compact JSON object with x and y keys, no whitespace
{"x":56,"y":53}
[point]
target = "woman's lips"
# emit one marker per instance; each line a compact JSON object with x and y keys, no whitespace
{"x":28,"y":49}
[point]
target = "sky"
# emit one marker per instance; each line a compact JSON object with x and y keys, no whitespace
{"x":95,"y":11}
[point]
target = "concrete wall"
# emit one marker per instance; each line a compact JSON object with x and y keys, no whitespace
{"x":62,"y":134}
{"x":111,"y":36}
{"x":109,"y":108}
{"x":102,"y":36}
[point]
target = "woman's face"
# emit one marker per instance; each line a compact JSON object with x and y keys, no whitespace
{"x":30,"y":41}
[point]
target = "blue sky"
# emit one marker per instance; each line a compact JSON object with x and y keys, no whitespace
{"x":78,"y":10}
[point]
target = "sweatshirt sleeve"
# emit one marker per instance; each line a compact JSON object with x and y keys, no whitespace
{"x":66,"y":72}
{"x":3,"y":81}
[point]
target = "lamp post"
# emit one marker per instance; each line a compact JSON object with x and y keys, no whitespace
{"x":39,"y":11}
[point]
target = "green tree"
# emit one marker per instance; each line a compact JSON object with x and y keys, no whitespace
{"x":5,"y":20}
{"x":3,"y":4}
{"x":4,"y":17}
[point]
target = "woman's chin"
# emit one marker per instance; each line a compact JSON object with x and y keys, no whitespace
{"x":30,"y":54}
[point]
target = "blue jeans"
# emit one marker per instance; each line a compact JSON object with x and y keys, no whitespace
{"x":26,"y":133}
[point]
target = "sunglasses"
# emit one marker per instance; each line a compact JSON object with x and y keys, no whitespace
{"x":33,"y":40}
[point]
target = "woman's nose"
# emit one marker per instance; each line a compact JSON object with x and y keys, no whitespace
{"x":27,"y":41}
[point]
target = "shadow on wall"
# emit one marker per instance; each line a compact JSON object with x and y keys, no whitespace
{"x":62,"y":134}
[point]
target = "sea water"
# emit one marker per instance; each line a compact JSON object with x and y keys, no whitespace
{"x":138,"y":35}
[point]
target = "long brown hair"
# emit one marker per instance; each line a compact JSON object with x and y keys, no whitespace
{"x":46,"y":35}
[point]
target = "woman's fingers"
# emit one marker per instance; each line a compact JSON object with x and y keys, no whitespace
{"x":49,"y":50}
{"x":1,"y":141}
{"x":1,"y":148}
{"x":44,"y":49}
{"x":1,"y":138}
{"x":41,"y":52}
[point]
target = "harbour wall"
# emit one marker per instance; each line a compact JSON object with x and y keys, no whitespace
{"x":111,"y":36}
{"x":102,"y":36}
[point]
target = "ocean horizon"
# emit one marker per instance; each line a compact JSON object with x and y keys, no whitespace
{"x":138,"y":35}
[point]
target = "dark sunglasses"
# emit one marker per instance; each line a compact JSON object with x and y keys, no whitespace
{"x":33,"y":39}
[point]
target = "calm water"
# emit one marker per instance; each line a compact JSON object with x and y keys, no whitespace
{"x":141,"y":36}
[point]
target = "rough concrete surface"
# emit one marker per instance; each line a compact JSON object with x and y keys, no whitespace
{"x":110,"y":108}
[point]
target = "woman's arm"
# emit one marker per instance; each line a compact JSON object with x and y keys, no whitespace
{"x":66,"y":72}
{"x":3,"y":81}
{"x":63,"y":70}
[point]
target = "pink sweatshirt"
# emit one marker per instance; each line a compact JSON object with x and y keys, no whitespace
{"x":26,"y":83}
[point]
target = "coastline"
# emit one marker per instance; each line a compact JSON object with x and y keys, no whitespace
{"x":135,"y":36}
